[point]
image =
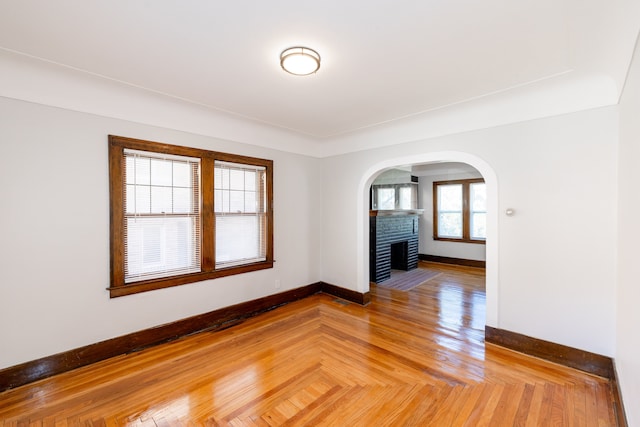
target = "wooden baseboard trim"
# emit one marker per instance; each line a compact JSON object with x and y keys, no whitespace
{"x":347,"y":294}
{"x":455,"y":261}
{"x":48,"y":366}
{"x":618,"y":405}
{"x":592,"y":363}
{"x":45,"y":367}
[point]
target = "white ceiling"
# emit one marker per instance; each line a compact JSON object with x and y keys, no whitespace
{"x":382,"y":61}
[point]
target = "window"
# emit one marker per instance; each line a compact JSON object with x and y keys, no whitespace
{"x":181,"y":215}
{"x":386,"y":198}
{"x":406,"y":197}
{"x":394,"y":196}
{"x":240,"y":210}
{"x":161,"y":215}
{"x":478,"y":210}
{"x":460,"y":210}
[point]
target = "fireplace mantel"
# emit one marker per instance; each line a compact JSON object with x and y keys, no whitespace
{"x":397,"y":212}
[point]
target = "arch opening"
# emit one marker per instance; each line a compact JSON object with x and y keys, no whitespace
{"x":491,"y":247}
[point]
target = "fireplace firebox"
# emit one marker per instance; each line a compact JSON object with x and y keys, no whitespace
{"x":400,"y":256}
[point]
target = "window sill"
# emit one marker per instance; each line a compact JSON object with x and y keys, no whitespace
{"x":448,"y":239}
{"x":150,"y":285}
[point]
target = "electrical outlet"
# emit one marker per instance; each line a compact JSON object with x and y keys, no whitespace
{"x":277,"y":284}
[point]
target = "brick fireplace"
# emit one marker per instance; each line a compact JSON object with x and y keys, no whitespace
{"x":393,"y":242}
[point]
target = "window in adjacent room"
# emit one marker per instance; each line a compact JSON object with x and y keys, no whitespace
{"x":394,"y":196}
{"x":181,"y":215}
{"x":386,"y":198}
{"x":460,"y":210}
{"x":478,"y":210}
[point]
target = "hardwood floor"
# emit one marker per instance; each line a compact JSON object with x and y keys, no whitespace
{"x":408,"y":358}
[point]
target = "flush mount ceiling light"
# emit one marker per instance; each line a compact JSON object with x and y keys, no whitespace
{"x":300,"y":61}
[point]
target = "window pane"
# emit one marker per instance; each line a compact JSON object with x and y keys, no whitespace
{"x":479,"y":225}
{"x":405,"y":197}
{"x":450,"y":198}
{"x":240,"y":224}
{"x":239,"y":239}
{"x":142,"y":199}
{"x":250,"y":201}
{"x":181,"y":174}
{"x":182,"y":202}
{"x":157,"y":247}
{"x":236,"y":179}
{"x":130,"y":198}
{"x":142,"y":170}
{"x":225,"y":201}
{"x":221,"y":177}
{"x":161,"y":172}
{"x":478,"y":197}
{"x":130,"y":170}
{"x":217,"y":201}
{"x":161,"y":199}
{"x":250,"y":180}
{"x":450,"y":225}
{"x":151,"y":245}
{"x":450,"y":210}
{"x":236,"y":201}
{"x":159,"y":243}
{"x":386,"y":198}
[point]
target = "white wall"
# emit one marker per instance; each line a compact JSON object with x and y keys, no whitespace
{"x":628,"y":291}
{"x":54,"y":233}
{"x":393,"y":176}
{"x":429,"y":246}
{"x":555,"y":256}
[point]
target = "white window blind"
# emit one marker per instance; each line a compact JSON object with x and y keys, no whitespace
{"x":162,"y":215}
{"x":240,"y":210}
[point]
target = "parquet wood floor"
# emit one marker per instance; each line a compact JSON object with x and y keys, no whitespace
{"x":412,"y":358}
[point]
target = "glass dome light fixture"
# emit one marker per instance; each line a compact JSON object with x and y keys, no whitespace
{"x":300,"y":61}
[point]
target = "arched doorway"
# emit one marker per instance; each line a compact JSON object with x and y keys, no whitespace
{"x":492,"y":288}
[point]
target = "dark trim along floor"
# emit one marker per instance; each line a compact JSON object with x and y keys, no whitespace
{"x":592,"y":363}
{"x":48,"y":366}
{"x":455,"y":261}
{"x":35,"y":370}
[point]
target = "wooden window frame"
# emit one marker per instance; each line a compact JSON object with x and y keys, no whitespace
{"x":117,"y":145}
{"x":466,"y":211}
